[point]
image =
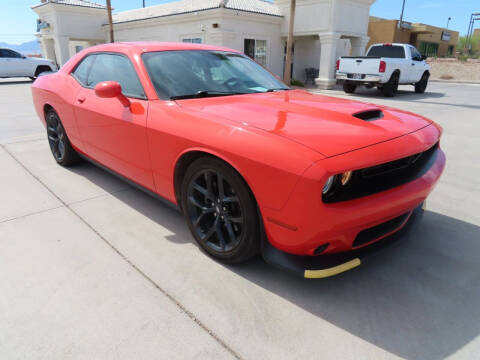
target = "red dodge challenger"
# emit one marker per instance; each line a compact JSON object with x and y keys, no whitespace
{"x":314,"y":183}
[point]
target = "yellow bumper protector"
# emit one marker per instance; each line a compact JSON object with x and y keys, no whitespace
{"x":317,"y":274}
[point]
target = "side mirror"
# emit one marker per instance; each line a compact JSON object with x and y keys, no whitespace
{"x":424,"y":57}
{"x":111,"y":89}
{"x":24,"y":57}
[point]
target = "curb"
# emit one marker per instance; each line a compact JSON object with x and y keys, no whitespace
{"x":454,"y":81}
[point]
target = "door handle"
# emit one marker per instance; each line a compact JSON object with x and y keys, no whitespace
{"x":413,"y":64}
{"x":81,"y":99}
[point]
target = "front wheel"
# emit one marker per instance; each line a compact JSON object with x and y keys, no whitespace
{"x":349,"y":87}
{"x":62,"y":150}
{"x":421,"y":86}
{"x":220,"y":211}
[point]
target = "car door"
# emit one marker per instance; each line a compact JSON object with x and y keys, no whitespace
{"x":417,"y":65}
{"x":113,"y":135}
{"x":17,"y":63}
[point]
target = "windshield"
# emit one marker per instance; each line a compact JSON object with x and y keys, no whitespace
{"x":196,"y":73}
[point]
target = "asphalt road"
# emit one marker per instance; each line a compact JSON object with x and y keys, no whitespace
{"x":91,"y":268}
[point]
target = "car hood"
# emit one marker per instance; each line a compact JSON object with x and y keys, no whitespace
{"x":328,"y":125}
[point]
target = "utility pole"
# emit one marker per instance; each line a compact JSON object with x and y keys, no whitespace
{"x":401,"y":15}
{"x":143,"y":3}
{"x":287,"y":75}
{"x":470,"y":30}
{"x":110,"y":21}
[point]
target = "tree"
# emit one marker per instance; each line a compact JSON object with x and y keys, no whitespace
{"x":474,"y":43}
{"x":287,"y":75}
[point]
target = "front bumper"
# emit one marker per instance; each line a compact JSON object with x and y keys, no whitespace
{"x":306,"y":223}
{"x":368,"y":78}
{"x":315,"y":267}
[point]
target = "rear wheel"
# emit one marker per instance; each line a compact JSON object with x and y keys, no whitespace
{"x":421,"y":86}
{"x":62,"y":150}
{"x":39,"y":70}
{"x":220,"y":211}
{"x":391,"y":87}
{"x":349,"y":87}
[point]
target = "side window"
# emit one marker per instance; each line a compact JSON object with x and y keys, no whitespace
{"x":81,"y":71}
{"x":416,"y":55}
{"x":111,"y":67}
{"x":11,"y":54}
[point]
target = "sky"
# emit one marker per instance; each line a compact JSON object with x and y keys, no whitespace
{"x":18,"y":21}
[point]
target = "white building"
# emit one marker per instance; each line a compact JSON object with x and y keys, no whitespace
{"x":324,"y":29}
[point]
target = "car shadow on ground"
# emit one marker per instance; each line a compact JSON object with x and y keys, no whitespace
{"x":418,"y":299}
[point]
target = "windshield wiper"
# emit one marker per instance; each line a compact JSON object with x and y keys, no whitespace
{"x":204,"y":93}
{"x":277,"y":89}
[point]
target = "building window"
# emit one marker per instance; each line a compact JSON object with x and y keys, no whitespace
{"x":192,"y":40}
{"x":78,"y":48}
{"x":257,"y":50}
{"x":428,"y":49}
{"x":450,"y":50}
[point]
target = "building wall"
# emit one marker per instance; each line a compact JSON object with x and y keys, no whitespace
{"x":435,"y":36}
{"x":386,"y":31}
{"x":381,"y":31}
{"x":307,"y":55}
{"x":232,"y":28}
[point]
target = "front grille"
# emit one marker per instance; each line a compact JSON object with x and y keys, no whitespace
{"x":378,"y":231}
{"x":383,"y":177}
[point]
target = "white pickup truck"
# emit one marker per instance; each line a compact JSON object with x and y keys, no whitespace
{"x":385,"y":66}
{"x":14,"y":64}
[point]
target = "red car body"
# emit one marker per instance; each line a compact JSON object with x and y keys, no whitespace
{"x":284,"y":144}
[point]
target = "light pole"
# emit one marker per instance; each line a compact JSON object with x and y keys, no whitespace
{"x":143,"y":3}
{"x":448,"y":21}
{"x":401,"y":15}
{"x":473,"y":18}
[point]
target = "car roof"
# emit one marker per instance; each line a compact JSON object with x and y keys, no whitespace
{"x":151,"y":46}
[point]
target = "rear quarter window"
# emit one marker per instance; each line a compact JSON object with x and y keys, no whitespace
{"x":387,"y":51}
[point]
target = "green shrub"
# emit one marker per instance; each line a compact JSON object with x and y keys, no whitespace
{"x":296,"y":82}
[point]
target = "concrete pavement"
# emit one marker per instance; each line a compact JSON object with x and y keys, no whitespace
{"x":93,"y":268}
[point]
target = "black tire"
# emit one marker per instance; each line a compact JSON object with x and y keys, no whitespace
{"x":62,"y":150}
{"x":220,"y":211}
{"x":421,"y":86}
{"x":349,"y":87}
{"x":40,"y":69}
{"x":391,"y":87}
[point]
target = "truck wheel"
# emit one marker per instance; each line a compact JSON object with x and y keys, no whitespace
{"x":391,"y":87}
{"x":349,"y":88}
{"x":421,"y":86}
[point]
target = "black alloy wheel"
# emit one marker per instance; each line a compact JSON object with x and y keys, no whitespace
{"x":60,"y":146}
{"x":220,"y":211}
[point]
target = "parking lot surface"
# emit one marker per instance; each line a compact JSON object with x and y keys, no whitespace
{"x":91,"y":268}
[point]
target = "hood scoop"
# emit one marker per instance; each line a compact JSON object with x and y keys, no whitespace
{"x":369,"y":115}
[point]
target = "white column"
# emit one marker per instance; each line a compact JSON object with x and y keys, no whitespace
{"x":62,"y":49}
{"x":358,"y":45}
{"x":328,"y":53}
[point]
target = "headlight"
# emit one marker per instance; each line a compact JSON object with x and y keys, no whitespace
{"x":345,"y":178}
{"x":328,"y":185}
